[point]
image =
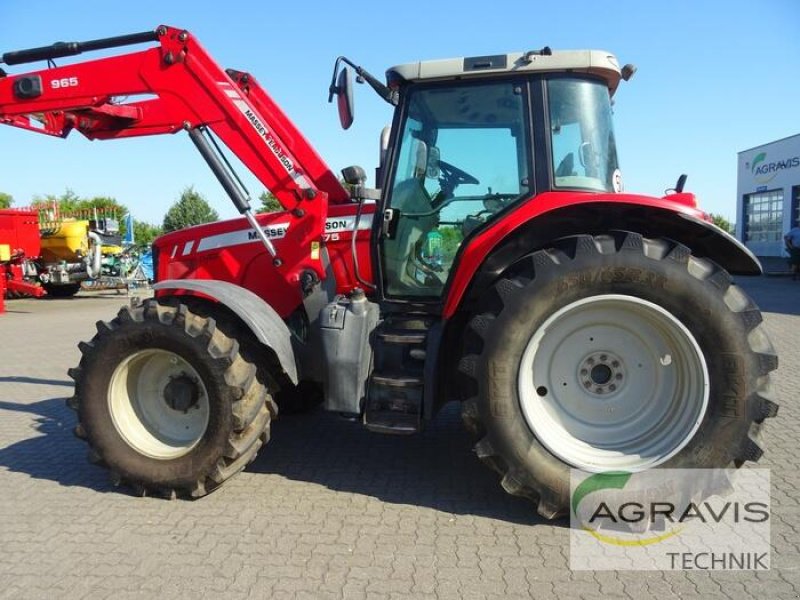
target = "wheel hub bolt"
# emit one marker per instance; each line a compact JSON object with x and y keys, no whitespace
{"x":181,"y":393}
{"x":601,"y":373}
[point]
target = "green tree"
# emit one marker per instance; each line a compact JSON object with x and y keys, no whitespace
{"x":269,"y":203}
{"x":145,"y":233}
{"x":190,"y":209}
{"x":69,"y":204}
{"x":69,"y":201}
{"x":6,"y":200}
{"x":451,"y":240}
{"x":722,"y":223}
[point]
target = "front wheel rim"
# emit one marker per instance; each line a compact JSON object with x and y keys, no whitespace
{"x":159,"y":404}
{"x":613,"y":382}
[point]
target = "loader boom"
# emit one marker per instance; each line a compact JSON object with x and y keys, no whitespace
{"x":173,"y":87}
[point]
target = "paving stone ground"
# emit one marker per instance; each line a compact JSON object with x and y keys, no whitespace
{"x":328,"y":510}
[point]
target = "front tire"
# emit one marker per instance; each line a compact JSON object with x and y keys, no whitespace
{"x":613,"y":353}
{"x":167,"y":402}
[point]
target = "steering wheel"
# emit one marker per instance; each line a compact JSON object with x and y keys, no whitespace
{"x":452,"y":177}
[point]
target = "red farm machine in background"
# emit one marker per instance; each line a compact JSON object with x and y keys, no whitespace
{"x":498,"y":265}
{"x":45,"y":251}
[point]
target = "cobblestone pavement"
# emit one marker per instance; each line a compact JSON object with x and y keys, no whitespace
{"x":328,"y":510}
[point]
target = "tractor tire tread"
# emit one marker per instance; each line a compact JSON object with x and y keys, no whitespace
{"x":251,"y":410}
{"x":518,"y":280}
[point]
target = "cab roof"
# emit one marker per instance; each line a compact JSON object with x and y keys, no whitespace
{"x":594,"y":62}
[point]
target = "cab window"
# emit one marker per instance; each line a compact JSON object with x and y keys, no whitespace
{"x":582,"y":136}
{"x":463,"y":158}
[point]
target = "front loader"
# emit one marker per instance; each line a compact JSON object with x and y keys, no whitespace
{"x":499,"y":264}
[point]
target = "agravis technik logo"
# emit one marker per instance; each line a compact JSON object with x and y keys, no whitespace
{"x":630,"y":512}
{"x":670,"y":519}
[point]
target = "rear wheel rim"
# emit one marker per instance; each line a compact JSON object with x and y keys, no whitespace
{"x":613,"y":382}
{"x":144,"y":409}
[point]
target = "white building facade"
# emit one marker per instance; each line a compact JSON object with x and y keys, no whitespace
{"x":768,"y":195}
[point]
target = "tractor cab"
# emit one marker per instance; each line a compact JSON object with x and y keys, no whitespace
{"x":473,"y":138}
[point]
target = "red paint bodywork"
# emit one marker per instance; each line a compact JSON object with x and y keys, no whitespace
{"x":19,"y":229}
{"x":481,"y":245}
{"x":250,"y":266}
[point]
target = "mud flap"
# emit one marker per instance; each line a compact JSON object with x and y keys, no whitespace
{"x":259,"y":316}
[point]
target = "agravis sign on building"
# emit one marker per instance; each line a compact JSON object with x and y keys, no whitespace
{"x":768,"y":195}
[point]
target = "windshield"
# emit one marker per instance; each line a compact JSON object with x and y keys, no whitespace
{"x":582,"y":136}
{"x":463,"y":157}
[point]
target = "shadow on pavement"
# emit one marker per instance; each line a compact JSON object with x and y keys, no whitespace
{"x":55,"y":454}
{"x":93,"y":296}
{"x":773,"y":294}
{"x":34,"y":380}
{"x":436,"y":468}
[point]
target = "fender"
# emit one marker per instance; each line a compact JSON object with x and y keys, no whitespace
{"x":546,"y":218}
{"x":259,"y":316}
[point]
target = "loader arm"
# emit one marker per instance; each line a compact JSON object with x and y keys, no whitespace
{"x":173,"y":87}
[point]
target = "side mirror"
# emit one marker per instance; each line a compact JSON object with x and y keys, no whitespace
{"x":344,"y":97}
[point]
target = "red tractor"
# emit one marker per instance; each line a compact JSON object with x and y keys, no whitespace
{"x":499,"y":265}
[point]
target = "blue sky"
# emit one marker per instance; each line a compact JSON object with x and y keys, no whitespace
{"x":714,"y":78}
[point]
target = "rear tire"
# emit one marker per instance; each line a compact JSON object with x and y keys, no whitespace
{"x":167,"y":403}
{"x":535,"y":422}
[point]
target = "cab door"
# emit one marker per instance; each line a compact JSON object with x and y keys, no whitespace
{"x":462,"y":157}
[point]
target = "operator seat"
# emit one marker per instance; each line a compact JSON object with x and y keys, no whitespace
{"x":566,"y":168}
{"x":409,"y":196}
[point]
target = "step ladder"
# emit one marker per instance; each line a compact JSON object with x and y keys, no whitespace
{"x":397,"y":384}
